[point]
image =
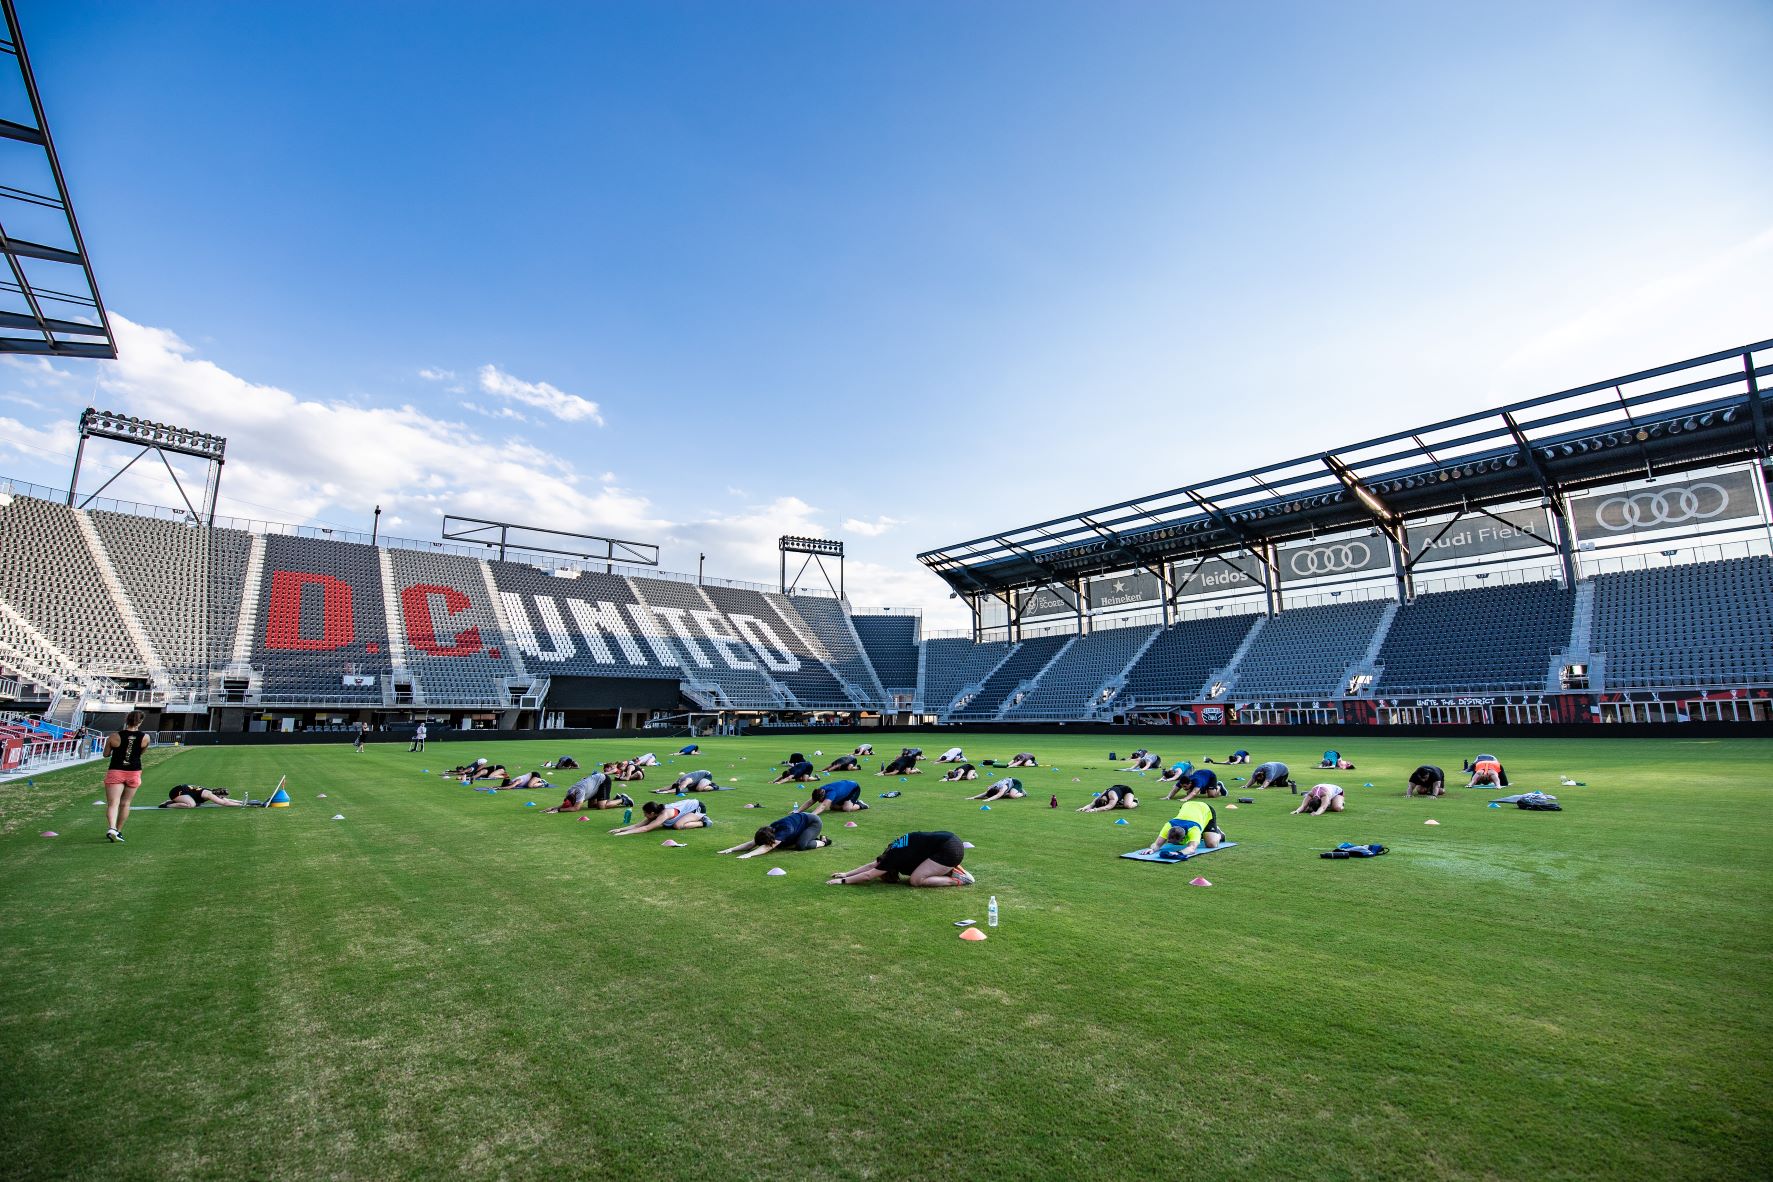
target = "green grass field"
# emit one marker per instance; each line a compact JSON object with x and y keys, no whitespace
{"x":449,"y":983}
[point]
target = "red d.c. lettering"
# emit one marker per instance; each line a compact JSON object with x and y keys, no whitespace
{"x":421,"y":633}
{"x":283,"y":624}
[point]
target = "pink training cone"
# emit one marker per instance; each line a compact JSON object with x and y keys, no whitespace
{"x":1431,"y":822}
{"x":972,"y":934}
{"x":1199,"y":882}
{"x":849,"y":824}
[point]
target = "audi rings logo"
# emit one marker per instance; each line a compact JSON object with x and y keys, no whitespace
{"x":1649,"y":508}
{"x":1330,"y":560}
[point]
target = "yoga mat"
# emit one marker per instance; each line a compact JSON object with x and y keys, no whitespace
{"x":1154,"y":856}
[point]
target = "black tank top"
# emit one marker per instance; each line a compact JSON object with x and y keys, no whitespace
{"x":128,"y":755}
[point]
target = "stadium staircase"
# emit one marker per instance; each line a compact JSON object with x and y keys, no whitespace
{"x":971,"y":690}
{"x":1223,"y":679}
{"x":1368,"y":667}
{"x":126,"y":613}
{"x":1022,"y":692}
{"x":1102,"y":702}
{"x":1581,"y":641}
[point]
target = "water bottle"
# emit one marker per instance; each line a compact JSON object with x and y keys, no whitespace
{"x":627,"y":816}
{"x":991,"y":912}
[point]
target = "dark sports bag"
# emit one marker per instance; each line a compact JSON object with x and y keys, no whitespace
{"x":1539,"y":806}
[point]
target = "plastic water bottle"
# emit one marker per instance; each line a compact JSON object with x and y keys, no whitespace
{"x":991,"y":912}
{"x":627,"y":816}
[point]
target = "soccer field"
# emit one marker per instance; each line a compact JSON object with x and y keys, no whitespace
{"x":449,"y":983}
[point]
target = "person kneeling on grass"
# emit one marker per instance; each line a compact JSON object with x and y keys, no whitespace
{"x":1333,"y":760}
{"x":1194,"y":824}
{"x":960,"y":771}
{"x":676,"y":814}
{"x":1144,"y":761}
{"x":800,"y":772}
{"x":1177,"y":771}
{"x":840,"y":796}
{"x":795,"y":832}
{"x":466,"y":772}
{"x":1117,"y":797}
{"x":1426,"y":780}
{"x":1486,"y":772}
{"x":595,"y":791}
{"x":923,"y":859}
{"x":904,"y":765}
{"x":564,"y":763}
{"x":189,"y":796}
{"x":1320,"y":799}
{"x":1238,"y":756}
{"x":1200,"y":782}
{"x":624,"y":769}
{"x":1008,"y":788}
{"x":1023,"y":759}
{"x":952,"y":755}
{"x":696,"y":781}
{"x":864,"y":749}
{"x":1271,"y":775}
{"x":530,"y":780}
{"x":844,"y":763}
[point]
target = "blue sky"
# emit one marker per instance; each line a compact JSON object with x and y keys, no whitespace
{"x":899,"y":272}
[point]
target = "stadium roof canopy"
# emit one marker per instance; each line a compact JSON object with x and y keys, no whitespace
{"x":1688,"y":414}
{"x":49,"y":300}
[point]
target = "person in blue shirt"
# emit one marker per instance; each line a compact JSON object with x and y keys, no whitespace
{"x":1238,"y":756}
{"x":796,"y":831}
{"x":840,"y":796}
{"x":1201,"y":782}
{"x":1178,"y":771}
{"x":799,"y":771}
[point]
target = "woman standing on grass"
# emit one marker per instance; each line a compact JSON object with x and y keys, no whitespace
{"x":124,"y":774}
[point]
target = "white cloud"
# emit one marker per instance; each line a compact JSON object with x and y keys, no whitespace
{"x":555,"y":401}
{"x":870,"y":529}
{"x":437,"y":375}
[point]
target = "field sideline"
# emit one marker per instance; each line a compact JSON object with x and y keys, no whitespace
{"x":450,"y":983}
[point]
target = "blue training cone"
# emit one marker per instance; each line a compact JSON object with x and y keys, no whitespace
{"x":984,"y":808}
{"x":279,"y":799}
{"x":1122,"y":821}
{"x":1494,"y":805}
{"x":529,"y":804}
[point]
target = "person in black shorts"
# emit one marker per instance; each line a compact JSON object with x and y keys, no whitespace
{"x":1201,"y":781}
{"x":189,"y":796}
{"x":913,"y":752}
{"x":529,"y":780}
{"x":1238,"y":756}
{"x":840,"y":796}
{"x":960,"y":771}
{"x":1008,"y":788}
{"x":799,"y":772}
{"x":864,"y":749}
{"x":362,"y":734}
{"x":1119,"y":796}
{"x":1427,"y":780}
{"x":904,"y":765}
{"x":564,"y":763}
{"x":795,"y":832}
{"x":1023,"y":759}
{"x":922,"y":859}
{"x":700,"y":780}
{"x":843,"y":763}
{"x":595,"y":791}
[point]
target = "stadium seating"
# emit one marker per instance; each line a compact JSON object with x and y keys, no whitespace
{"x":1304,"y":652}
{"x":952,"y":664}
{"x":1491,"y":638}
{"x":891,"y":645}
{"x":740,"y":688}
{"x":829,"y":624}
{"x":48,"y":576}
{"x":550,"y":617}
{"x":320,"y":620}
{"x":1176,"y":666}
{"x":449,"y":632}
{"x":1028,"y":659}
{"x":1068,"y":688}
{"x":1708,"y":624}
{"x":812,"y":684}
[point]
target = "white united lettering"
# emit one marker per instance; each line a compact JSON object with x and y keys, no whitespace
{"x":724,"y":640}
{"x":673,"y":617}
{"x":594,"y":621}
{"x":524,"y":633}
{"x":649,"y":631}
{"x":764,"y":641}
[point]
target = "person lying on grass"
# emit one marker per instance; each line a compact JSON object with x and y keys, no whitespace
{"x":564,"y":763}
{"x":840,"y":796}
{"x":1023,"y":759}
{"x":1117,"y":797}
{"x":1333,"y":759}
{"x":1321,"y":799}
{"x":923,"y":859}
{"x":676,"y":814}
{"x":647,"y":760}
{"x":844,"y":763}
{"x":1200,"y":782}
{"x":1238,"y":756}
{"x":795,"y":832}
{"x":1008,"y":788}
{"x":914,"y":752}
{"x":624,"y":769}
{"x":952,"y":755}
{"x":1426,"y":780}
{"x":1194,"y":824}
{"x":595,"y":791}
{"x":904,"y":765}
{"x":189,"y":796}
{"x":960,"y":771}
{"x":1177,"y":771}
{"x":696,"y":781}
{"x":691,"y":749}
{"x":1271,"y":775}
{"x":799,"y":772}
{"x":864,"y":749}
{"x":1144,"y":761}
{"x":468,"y":771}
{"x":526,"y":780}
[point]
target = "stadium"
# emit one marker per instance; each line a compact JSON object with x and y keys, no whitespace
{"x":413,"y":960}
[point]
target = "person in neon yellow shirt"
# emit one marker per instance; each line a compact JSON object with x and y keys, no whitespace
{"x":1194,"y":824}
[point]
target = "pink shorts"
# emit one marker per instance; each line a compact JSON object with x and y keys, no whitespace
{"x":116,"y":779}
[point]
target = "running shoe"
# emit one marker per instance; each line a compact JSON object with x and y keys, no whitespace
{"x":962,"y":877}
{"x":113,"y":835}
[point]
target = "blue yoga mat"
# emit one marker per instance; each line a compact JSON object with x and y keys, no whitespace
{"x":1150,"y":856}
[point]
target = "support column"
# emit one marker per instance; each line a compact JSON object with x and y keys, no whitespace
{"x":1400,"y":565}
{"x":1566,"y":542}
{"x":1083,"y":617}
{"x":1271,"y":584}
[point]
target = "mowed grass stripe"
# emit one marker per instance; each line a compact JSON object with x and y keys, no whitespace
{"x":447,"y":981}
